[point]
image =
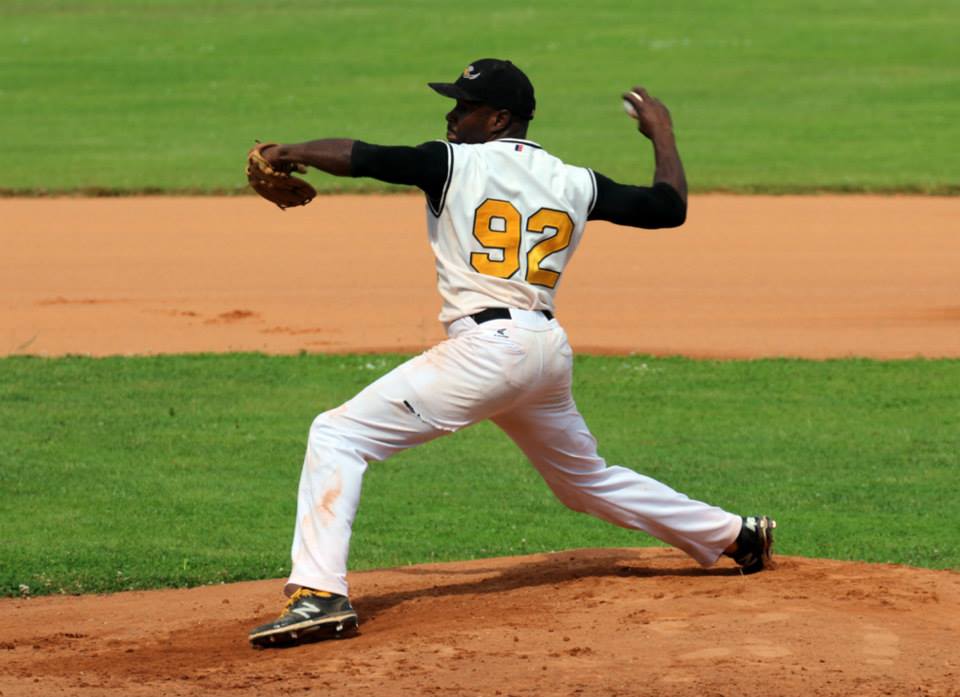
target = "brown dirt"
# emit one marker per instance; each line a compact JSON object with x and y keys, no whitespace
{"x":591,"y":623}
{"x":816,"y":277}
{"x":763,"y":276}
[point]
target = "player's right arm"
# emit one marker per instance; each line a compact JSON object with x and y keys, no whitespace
{"x":664,"y":204}
{"x":653,"y":121}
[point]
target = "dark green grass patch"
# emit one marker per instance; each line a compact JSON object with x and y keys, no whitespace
{"x":165,"y":471}
{"x":134,"y":95}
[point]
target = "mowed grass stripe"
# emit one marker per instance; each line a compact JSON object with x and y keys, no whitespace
{"x":148,"y":472}
{"x":167,"y":95}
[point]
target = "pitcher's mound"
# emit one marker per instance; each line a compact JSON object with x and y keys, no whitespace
{"x":582,"y":623}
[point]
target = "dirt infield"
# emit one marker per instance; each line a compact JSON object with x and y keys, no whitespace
{"x":766,"y":276}
{"x":816,"y":277}
{"x":592,"y":623}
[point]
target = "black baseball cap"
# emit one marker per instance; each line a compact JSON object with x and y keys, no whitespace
{"x":498,"y":83}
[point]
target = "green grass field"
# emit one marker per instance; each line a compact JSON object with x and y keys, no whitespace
{"x":142,"y":472}
{"x":167,"y":95}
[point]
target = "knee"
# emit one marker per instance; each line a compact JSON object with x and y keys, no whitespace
{"x":321,"y":424}
{"x":326,"y":430}
{"x":330,"y":444}
{"x":568,"y":496}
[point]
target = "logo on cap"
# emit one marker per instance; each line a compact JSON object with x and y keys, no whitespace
{"x":470,"y":73}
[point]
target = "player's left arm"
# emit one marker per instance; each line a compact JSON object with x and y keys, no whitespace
{"x":424,"y":166}
{"x":332,"y":155}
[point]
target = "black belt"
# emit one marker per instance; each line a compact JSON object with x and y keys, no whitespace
{"x":492,"y":313}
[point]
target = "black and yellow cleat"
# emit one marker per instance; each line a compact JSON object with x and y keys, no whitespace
{"x":755,"y":544}
{"x":309,"y":615}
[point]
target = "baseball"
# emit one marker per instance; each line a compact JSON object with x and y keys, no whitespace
{"x":628,"y":107}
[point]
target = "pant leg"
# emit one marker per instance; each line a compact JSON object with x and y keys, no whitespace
{"x":459,"y":382}
{"x":553,"y":435}
{"x":371,"y":426}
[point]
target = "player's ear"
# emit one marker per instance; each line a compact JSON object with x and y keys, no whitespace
{"x":502,"y":118}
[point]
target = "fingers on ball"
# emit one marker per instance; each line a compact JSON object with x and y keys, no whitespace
{"x":628,"y":105}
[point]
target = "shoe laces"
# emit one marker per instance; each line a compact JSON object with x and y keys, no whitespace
{"x":303,"y":593}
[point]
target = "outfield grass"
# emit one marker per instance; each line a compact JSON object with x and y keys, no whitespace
{"x":167,"y":95}
{"x":145,"y":472}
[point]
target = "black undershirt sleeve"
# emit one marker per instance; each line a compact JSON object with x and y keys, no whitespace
{"x":424,"y":166}
{"x":650,"y":207}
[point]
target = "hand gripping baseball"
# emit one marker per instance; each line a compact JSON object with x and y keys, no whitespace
{"x":274,"y":182}
{"x":650,"y":113}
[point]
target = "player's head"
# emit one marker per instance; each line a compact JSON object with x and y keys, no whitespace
{"x":494,"y":100}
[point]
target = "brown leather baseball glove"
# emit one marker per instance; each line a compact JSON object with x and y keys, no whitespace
{"x":277,"y":185}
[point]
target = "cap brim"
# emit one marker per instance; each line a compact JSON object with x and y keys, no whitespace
{"x":448,"y":89}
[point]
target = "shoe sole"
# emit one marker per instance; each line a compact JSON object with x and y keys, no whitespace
{"x":329,"y":627}
{"x":767,"y":526}
{"x":763,"y":558}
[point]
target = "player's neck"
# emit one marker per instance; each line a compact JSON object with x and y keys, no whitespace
{"x":517,"y":134}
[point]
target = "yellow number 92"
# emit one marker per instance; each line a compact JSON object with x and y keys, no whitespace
{"x":498,"y":225}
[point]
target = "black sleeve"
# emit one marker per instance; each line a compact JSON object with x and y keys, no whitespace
{"x":425,"y":166}
{"x":638,"y":206}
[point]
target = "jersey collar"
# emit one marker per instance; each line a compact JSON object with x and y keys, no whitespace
{"x":521,"y":141}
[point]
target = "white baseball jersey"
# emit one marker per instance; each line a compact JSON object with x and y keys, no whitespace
{"x":509,"y":220}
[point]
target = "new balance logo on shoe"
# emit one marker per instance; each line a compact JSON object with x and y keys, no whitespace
{"x":306,"y":609}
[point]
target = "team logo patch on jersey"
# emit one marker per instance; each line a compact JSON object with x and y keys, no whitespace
{"x":518,"y":147}
{"x":470,"y":73}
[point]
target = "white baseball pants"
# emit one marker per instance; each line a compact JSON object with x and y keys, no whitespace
{"x":516,"y":372}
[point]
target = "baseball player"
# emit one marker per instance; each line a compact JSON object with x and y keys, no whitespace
{"x":504,"y":217}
